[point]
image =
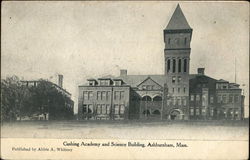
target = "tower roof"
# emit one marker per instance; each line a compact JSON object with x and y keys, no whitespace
{"x":178,"y":20}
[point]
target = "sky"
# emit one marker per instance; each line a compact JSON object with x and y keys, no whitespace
{"x":91,"y":39}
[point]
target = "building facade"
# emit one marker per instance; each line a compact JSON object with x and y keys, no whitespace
{"x":175,"y":95}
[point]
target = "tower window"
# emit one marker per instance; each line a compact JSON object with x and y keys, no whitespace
{"x":179,"y":65}
{"x":185,"y":41}
{"x":185,"y":65}
{"x":168,"y":65}
{"x":173,"y":79}
{"x":179,"y":79}
{"x":184,"y":90}
{"x":174,"y":65}
{"x":169,"y":41}
{"x":173,"y":90}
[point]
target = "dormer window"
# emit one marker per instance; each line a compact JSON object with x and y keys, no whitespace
{"x":92,"y":82}
{"x":104,"y":81}
{"x":117,"y":82}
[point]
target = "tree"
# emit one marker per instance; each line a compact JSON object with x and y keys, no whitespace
{"x":18,"y":100}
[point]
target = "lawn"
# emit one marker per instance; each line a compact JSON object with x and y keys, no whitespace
{"x":186,"y":130}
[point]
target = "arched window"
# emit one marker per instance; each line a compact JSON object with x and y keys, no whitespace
{"x":157,"y":98}
{"x":174,"y":64}
{"x":146,"y":98}
{"x":179,"y":65}
{"x":185,"y":65}
{"x":168,"y":65}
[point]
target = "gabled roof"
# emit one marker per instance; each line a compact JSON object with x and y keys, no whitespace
{"x":135,"y":80}
{"x":178,"y":20}
{"x":149,"y":78}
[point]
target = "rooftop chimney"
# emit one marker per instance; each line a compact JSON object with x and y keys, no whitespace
{"x":60,"y":80}
{"x":123,"y":72}
{"x":201,"y":71}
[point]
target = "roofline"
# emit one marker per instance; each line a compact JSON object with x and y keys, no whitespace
{"x":105,"y":86}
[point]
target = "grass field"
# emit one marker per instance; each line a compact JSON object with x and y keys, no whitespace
{"x":186,"y":130}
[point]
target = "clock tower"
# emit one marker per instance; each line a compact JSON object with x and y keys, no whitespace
{"x":177,"y":38}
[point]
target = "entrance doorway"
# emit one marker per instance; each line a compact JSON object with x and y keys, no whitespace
{"x":175,"y":115}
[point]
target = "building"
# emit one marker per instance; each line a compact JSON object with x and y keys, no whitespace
{"x":175,"y":95}
{"x":46,"y":109}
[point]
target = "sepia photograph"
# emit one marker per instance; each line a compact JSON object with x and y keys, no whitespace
{"x":124,"y":80}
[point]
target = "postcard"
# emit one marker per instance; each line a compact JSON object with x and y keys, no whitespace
{"x":124,"y":80}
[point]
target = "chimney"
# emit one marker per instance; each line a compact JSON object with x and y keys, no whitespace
{"x":201,"y":71}
{"x":123,"y":72}
{"x":60,"y":80}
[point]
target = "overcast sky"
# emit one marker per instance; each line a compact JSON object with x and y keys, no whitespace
{"x":91,"y":39}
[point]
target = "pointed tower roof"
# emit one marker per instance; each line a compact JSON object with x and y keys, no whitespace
{"x":178,"y":20}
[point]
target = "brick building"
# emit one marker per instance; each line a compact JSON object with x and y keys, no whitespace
{"x":176,"y":94}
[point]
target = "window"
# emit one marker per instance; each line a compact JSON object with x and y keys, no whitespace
{"x":90,"y":95}
{"x":204,"y":100}
{"x":203,"y":111}
{"x":103,"y":95}
{"x":173,"y":90}
{"x":116,"y":95}
{"x":174,"y":101}
{"x":211,"y":99}
{"x":184,"y":90}
{"x":224,"y":98}
{"x":84,"y":108}
{"x":197,"y":97}
{"x":191,"y":111}
{"x":99,"y":109}
{"x":121,"y":94}
{"x":184,"y":101}
{"x":104,"y":109}
{"x":179,"y":102}
{"x":173,"y":79}
{"x":117,"y":83}
{"x":192,"y":98}
{"x":185,"y":65}
{"x":122,"y":109}
{"x":179,"y":79}
{"x":169,"y":41}
{"x":168,"y":65}
{"x":185,"y":41}
{"x":99,"y":95}
{"x":219,"y":99}
{"x":90,"y":108}
{"x":108,"y":95}
{"x":116,"y":109}
{"x":85,"y":96}
{"x":211,"y":112}
{"x":174,"y":65}
{"x":108,"y":109}
{"x":179,"y":90}
{"x":197,"y":111}
{"x":168,"y":102}
{"x":102,"y":82}
{"x":179,"y":65}
{"x":231,"y":98}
